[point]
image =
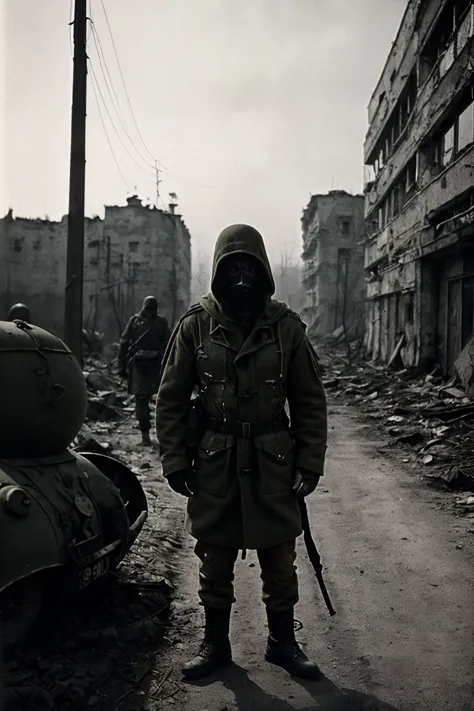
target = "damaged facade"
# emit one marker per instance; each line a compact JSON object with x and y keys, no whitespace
{"x":134,"y":251}
{"x":333,"y":262}
{"x":419,"y":156}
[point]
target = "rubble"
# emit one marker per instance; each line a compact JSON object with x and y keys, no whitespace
{"x":431,"y":416}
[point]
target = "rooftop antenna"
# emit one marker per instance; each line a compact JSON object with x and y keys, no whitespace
{"x":158,"y":181}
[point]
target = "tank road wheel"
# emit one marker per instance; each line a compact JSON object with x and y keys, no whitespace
{"x":20,"y":604}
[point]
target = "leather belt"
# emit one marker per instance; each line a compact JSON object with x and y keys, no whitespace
{"x":248,"y":430}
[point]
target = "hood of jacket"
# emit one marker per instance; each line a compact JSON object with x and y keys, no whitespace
{"x":242,"y":239}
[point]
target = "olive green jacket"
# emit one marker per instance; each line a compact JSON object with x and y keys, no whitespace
{"x":242,"y":486}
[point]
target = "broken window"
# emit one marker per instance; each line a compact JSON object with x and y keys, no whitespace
{"x":411,"y":176}
{"x":465,"y":23}
{"x":397,"y":199}
{"x":133,"y":246}
{"x":369,"y":174}
{"x":345,"y":227}
{"x":466,"y":127}
{"x":396,"y":125}
{"x":447,"y":146}
{"x":381,"y":218}
{"x":467,"y":311}
{"x":436,"y":43}
{"x":409,"y":314}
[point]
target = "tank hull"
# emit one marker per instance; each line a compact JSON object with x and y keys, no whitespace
{"x":62,"y":513}
{"x":43,"y":391}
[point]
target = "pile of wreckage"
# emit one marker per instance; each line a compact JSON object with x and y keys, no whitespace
{"x":108,"y":403}
{"x":431,"y":415}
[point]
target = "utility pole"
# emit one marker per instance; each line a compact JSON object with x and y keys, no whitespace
{"x":75,"y":227}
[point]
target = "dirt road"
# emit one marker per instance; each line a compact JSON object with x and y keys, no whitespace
{"x":399,"y":569}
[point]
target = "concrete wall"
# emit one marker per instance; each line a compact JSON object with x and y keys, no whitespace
{"x":33,"y":267}
{"x":135,"y":251}
{"x":397,"y":250}
{"x":324,"y":240}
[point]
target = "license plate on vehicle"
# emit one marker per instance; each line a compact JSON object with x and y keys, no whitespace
{"x":93,"y":572}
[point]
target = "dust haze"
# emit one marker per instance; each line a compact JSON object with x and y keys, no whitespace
{"x":249,"y":106}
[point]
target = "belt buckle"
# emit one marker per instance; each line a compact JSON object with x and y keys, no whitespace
{"x":246,"y":430}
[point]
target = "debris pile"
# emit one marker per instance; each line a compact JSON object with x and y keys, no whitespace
{"x":108,"y":399}
{"x":433,"y":417}
{"x":70,"y":657}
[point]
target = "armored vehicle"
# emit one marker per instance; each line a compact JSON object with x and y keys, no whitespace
{"x":64,"y":515}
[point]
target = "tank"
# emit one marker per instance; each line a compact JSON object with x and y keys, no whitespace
{"x":43,"y":394}
{"x":68,"y":519}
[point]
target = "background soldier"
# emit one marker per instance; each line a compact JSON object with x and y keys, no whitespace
{"x":249,"y":356}
{"x":19,"y":312}
{"x":141,"y":350}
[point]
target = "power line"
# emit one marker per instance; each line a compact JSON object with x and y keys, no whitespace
{"x":123,"y":82}
{"x":107,"y":135}
{"x":112,"y":93}
{"x":112,"y":123}
{"x":155,"y":161}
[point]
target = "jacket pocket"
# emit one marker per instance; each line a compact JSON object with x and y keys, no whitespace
{"x":212,"y":463}
{"x":276,"y":462}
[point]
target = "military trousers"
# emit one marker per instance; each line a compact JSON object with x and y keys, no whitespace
{"x":278,"y":575}
{"x":142,"y":412}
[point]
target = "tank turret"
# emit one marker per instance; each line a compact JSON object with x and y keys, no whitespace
{"x":43,"y":394}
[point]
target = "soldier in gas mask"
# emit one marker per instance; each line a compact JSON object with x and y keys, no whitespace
{"x":249,"y":357}
{"x":141,"y":350}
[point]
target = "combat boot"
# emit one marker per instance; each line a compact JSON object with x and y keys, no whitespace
{"x":215,"y":651}
{"x":283,"y":649}
{"x":146,"y":439}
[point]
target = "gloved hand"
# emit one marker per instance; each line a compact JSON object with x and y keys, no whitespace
{"x":178,"y":482}
{"x":305,"y":483}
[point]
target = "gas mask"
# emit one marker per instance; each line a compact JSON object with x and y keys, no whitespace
{"x":241,"y":283}
{"x":150,"y":307}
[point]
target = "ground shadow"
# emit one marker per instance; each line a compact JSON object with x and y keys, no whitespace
{"x":327,"y":695}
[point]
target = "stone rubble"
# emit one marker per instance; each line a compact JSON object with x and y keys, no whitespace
{"x":430,"y":416}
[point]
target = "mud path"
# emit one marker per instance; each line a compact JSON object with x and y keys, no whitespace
{"x":402,"y":584}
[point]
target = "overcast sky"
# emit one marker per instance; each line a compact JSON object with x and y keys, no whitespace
{"x":263,"y":100}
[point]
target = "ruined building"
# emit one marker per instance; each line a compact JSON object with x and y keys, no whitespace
{"x":134,"y":251}
{"x":333,"y":256}
{"x":419,"y":155}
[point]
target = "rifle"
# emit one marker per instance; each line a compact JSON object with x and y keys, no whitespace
{"x":313,"y":555}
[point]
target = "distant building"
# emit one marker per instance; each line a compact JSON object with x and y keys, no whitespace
{"x":134,"y":251}
{"x":419,"y":156}
{"x":333,"y":257}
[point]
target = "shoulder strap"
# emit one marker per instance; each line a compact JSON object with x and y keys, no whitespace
{"x":194,"y":309}
{"x":297,"y":317}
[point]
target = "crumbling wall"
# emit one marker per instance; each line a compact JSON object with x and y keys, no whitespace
{"x":434,"y":102}
{"x":34,"y":269}
{"x":335,"y":209}
{"x":398,"y":66}
{"x":147,"y":252}
{"x":134,"y":252}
